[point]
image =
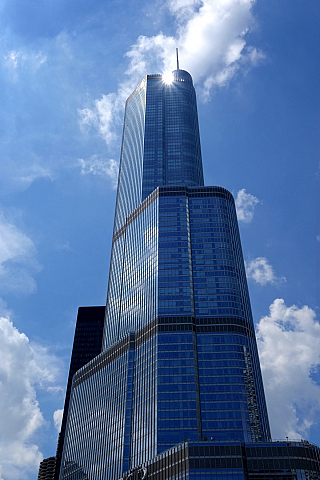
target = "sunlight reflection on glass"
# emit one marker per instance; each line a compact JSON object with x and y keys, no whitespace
{"x":167,"y":77}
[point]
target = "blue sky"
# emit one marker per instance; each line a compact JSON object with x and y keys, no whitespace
{"x":66,"y":69}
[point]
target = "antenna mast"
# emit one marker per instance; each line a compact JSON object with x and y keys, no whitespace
{"x":177,"y":58}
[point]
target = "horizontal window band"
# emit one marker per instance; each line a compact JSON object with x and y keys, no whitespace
{"x":163,"y":325}
{"x":168,"y":191}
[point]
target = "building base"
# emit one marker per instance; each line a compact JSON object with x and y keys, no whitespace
{"x":211,"y":460}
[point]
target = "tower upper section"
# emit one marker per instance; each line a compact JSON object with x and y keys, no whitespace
{"x":161,"y":141}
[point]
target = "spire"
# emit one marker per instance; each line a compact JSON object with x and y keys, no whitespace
{"x":177,"y":58}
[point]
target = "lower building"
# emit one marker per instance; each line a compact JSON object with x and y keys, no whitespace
{"x":46,"y":469}
{"x":86,"y":345}
{"x":232,"y":460}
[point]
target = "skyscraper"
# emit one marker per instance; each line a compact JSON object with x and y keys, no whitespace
{"x":179,"y":363}
{"x":86,"y":345}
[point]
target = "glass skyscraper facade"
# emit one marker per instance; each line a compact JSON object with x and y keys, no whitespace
{"x":160,"y":142}
{"x":179,"y":362}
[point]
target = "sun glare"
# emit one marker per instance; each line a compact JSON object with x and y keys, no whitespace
{"x":167,"y":78}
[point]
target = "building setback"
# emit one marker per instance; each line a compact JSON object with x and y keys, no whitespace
{"x":176,"y":391}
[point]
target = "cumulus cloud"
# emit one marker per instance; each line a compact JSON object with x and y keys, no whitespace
{"x":17,"y":259}
{"x":212,"y":39}
{"x":260,"y":270}
{"x":288,"y":341}
{"x":57,"y":419}
{"x":97,"y":165}
{"x":212,"y":36}
{"x":24,"y":367}
{"x":245,"y":205}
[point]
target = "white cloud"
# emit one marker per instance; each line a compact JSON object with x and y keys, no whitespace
{"x":212,"y":40}
{"x":318,"y":238}
{"x":255,"y":56}
{"x":13,"y":243}
{"x":100,"y":166}
{"x":288,"y":341}
{"x":4,"y":310}
{"x":14,"y":58}
{"x":245,"y":205}
{"x":103,"y":117}
{"x":19,"y":169}
{"x":23,"y":368}
{"x":31,"y":173}
{"x":17,"y":259}
{"x":16,"y":280}
{"x":260,"y":270}
{"x":57,"y":419}
{"x":63,"y":246}
{"x":18,"y":63}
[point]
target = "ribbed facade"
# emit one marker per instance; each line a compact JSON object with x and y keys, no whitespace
{"x":160,"y":141}
{"x":46,"y":469}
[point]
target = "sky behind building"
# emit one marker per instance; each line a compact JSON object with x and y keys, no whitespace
{"x":66,"y":70}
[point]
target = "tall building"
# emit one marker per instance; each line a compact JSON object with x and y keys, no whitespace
{"x":86,"y":346}
{"x":177,"y":385}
